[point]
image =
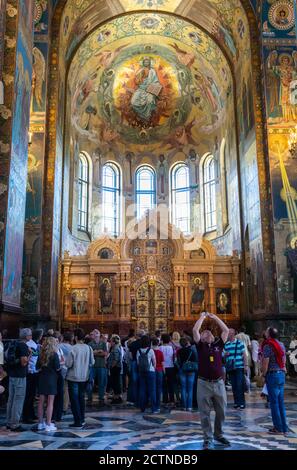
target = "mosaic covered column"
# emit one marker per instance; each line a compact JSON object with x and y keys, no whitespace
{"x":14,"y":126}
{"x":36,"y":154}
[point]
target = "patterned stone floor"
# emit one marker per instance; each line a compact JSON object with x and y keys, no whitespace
{"x":123,"y":428}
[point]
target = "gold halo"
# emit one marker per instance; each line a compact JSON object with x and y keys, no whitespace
{"x":293,"y":241}
{"x":282,"y":56}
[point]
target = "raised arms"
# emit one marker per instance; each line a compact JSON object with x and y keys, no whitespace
{"x":224,"y":328}
{"x":197,"y":326}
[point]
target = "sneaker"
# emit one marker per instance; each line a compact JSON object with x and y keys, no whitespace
{"x":242,"y":407}
{"x":74,"y":425}
{"x":41,"y":426}
{"x":235,"y":407}
{"x":83,"y":423}
{"x":50,"y":427}
{"x":222,"y":440}
{"x":189,"y":410}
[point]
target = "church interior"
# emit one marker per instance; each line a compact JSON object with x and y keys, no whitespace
{"x":148,"y":163}
{"x":148,"y":174}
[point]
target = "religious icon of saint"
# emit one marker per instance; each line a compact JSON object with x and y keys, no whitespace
{"x":105,"y":294}
{"x":198,"y":292}
{"x":144,"y":98}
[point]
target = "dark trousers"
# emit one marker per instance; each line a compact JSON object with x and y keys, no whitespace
{"x":195,"y":403}
{"x":168,"y":385}
{"x":59,"y":399}
{"x":147,"y":390}
{"x":28,"y":410}
{"x":237,"y":382}
{"x":77,"y":400}
{"x":159,"y":388}
{"x":116,"y":380}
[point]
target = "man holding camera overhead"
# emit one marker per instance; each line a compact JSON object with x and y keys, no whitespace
{"x":211,"y":386}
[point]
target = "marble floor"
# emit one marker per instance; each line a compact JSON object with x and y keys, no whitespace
{"x":121,"y":427}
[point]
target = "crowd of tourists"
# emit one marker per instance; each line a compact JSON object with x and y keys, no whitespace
{"x":188,"y":371}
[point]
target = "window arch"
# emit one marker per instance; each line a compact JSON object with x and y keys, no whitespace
{"x":83,"y":192}
{"x":111,"y":189}
{"x":180,"y":197}
{"x":209,"y":192}
{"x":145,"y":190}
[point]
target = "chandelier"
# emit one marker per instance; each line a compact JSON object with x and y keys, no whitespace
{"x":292,"y":141}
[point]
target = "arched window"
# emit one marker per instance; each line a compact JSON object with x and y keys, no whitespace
{"x":83,"y":193}
{"x":180,"y":197}
{"x":209,"y":192}
{"x":145,"y":190}
{"x":111,"y":199}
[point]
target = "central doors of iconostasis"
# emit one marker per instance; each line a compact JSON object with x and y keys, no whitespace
{"x":152,"y":284}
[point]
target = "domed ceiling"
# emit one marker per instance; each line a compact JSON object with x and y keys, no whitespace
{"x":148,"y":81}
{"x":225,"y":20}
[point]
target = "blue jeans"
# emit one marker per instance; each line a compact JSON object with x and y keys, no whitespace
{"x":147,"y":390}
{"x":133,"y":388}
{"x":101,"y":374}
{"x":76,"y":392}
{"x":187,"y":381}
{"x":238,"y":385}
{"x":159,"y":388}
{"x":275,"y":385}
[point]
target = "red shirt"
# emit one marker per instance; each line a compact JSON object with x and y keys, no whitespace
{"x":210,"y":359}
{"x":159,"y":360}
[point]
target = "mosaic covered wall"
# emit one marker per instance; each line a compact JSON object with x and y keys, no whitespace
{"x":194,"y":110}
{"x":36,"y":155}
{"x":280,"y":66}
{"x":14,"y":137}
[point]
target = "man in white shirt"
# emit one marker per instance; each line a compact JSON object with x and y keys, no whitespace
{"x":29,"y":416}
{"x":255,"y":354}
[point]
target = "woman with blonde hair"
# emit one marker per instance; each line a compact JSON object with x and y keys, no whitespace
{"x":49,"y":365}
{"x":175,"y":341}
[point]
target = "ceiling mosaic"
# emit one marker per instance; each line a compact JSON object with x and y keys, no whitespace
{"x":224,"y":19}
{"x":148,"y":81}
{"x":165,"y":5}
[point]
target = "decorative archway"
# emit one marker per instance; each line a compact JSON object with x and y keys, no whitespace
{"x":55,"y":151}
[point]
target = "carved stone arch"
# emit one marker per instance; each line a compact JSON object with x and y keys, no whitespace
{"x":106,"y":242}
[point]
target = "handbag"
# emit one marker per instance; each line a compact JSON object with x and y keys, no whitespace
{"x":189,"y":366}
{"x":230,"y":363}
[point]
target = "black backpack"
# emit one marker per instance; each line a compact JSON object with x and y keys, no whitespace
{"x":143,"y":361}
{"x":10,"y":355}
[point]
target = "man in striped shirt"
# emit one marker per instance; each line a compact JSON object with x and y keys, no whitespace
{"x":236,"y":364}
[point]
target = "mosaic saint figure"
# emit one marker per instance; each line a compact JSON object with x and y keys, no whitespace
{"x":144,"y":99}
{"x":162,"y":176}
{"x":286,"y":73}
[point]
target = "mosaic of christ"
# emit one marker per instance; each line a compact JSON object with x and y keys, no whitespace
{"x":145,"y":91}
